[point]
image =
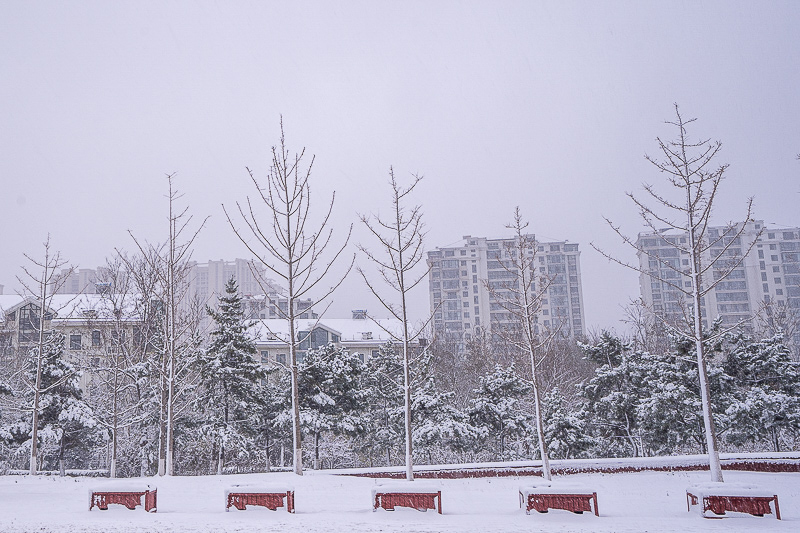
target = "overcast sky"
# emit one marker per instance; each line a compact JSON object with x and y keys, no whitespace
{"x":547,"y":105}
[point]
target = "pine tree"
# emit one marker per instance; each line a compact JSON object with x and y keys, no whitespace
{"x":230,"y":374}
{"x":767,"y":402}
{"x":565,"y":431}
{"x":331,"y":399}
{"x":496,"y":409}
{"x":672,"y":413}
{"x":438,"y":425}
{"x":66,"y":424}
{"x":611,"y":397}
{"x":383,"y":386}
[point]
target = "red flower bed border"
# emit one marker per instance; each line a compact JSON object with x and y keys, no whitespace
{"x":461,"y":473}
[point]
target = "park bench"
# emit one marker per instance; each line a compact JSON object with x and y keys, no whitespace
{"x":736,"y":497}
{"x":543,"y":496}
{"x":269,"y":496}
{"x":412,"y":494}
{"x":129,"y":495}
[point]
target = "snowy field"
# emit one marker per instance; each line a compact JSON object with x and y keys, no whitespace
{"x":634,"y":502}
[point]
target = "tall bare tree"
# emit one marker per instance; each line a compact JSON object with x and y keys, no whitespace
{"x":294,"y":246}
{"x":686,"y":208}
{"x":171,"y":264}
{"x":42,"y":280}
{"x":400,"y":238}
{"x":520,"y":296}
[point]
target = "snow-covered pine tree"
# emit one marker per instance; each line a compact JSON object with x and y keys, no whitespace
{"x":383,"y":385}
{"x":438,"y":425}
{"x":67,"y":426}
{"x":565,"y":431}
{"x":331,"y":399}
{"x":230,"y":374}
{"x":767,"y":397}
{"x":496,"y":411}
{"x":671,"y":414}
{"x":611,"y":397}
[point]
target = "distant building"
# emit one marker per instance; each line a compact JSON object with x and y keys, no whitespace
{"x":206,"y":280}
{"x":767,"y":281}
{"x":93,"y":326}
{"x":464,"y":306}
{"x":359,"y":335}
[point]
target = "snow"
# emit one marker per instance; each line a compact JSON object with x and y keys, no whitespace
{"x":122,"y":486}
{"x":407,"y":487}
{"x":271,"y":488}
{"x":711,"y":488}
{"x":632,"y":502}
{"x":556,"y":487}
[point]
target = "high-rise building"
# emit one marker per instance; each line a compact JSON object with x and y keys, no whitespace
{"x":765,"y":284}
{"x":207,"y":280}
{"x":461,"y":276}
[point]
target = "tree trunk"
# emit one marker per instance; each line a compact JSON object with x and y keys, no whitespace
{"x":316,"y":450}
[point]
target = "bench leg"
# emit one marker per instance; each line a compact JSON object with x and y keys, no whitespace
{"x":777,"y":509}
{"x":596,"y":510}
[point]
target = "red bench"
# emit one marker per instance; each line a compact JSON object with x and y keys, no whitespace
{"x":543,"y":497}
{"x":271,"y":497}
{"x":735,"y":497}
{"x":128,"y":495}
{"x":406,"y":494}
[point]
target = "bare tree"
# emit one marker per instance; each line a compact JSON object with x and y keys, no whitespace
{"x":171,"y":264}
{"x":520,"y":296}
{"x":120,"y":332}
{"x":400,"y":237}
{"x":284,"y":242}
{"x":41,"y":280}
{"x":689,"y":168}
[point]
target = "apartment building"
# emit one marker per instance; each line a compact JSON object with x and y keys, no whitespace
{"x":462,"y":275}
{"x":764,"y":285}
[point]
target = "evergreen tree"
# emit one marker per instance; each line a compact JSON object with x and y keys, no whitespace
{"x":611,"y":398}
{"x":67,"y":428}
{"x":496,"y":411}
{"x":672,"y":413}
{"x":438,"y":425}
{"x":565,"y":431}
{"x":767,"y":402}
{"x":331,"y":399}
{"x":383,"y":386}
{"x":230,"y":375}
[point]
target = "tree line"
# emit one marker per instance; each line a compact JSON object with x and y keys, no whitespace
{"x":167,"y":397}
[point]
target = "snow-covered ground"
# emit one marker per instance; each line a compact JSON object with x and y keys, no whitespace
{"x":634,"y":502}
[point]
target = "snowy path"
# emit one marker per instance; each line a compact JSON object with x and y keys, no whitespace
{"x":637,"y":502}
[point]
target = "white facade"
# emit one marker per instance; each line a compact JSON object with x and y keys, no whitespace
{"x":464,"y":306}
{"x":769,"y":276}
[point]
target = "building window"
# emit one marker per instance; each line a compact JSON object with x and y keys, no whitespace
{"x":95,"y":339}
{"x":777,"y":281}
{"x":280,"y":358}
{"x":264,"y":356}
{"x":779,"y":292}
{"x":776,"y":269}
{"x":74,"y":342}
{"x":463,"y":252}
{"x":770,"y":235}
{"x":761,"y":254}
